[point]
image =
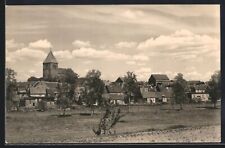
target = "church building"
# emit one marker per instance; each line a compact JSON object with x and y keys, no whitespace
{"x":50,"y":68}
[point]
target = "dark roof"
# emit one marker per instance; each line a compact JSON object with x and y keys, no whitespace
{"x":36,"y":89}
{"x":160,"y":76}
{"x":200,"y":87}
{"x":120,"y":79}
{"x":50,"y":58}
{"x":114,"y":88}
{"x":52,"y":85}
{"x":194,"y":82}
{"x":47,"y":86}
{"x":114,"y":96}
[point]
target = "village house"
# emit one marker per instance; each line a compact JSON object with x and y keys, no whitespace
{"x":114,"y":94}
{"x":22,"y":92}
{"x":156,"y":94}
{"x":120,"y":81}
{"x":42,"y":91}
{"x":198,"y":93}
{"x":158,"y":79}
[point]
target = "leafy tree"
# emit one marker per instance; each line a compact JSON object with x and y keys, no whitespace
{"x":10,"y":77}
{"x":94,"y":87}
{"x":67,"y":76}
{"x":71,"y":76}
{"x":131,"y":87}
{"x":213,"y":87}
{"x":179,"y":88}
{"x":63,"y":100}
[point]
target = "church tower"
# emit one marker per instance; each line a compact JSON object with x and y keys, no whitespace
{"x":50,"y":68}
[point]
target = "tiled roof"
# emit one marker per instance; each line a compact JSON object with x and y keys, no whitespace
{"x":194,"y":82}
{"x":200,"y":87}
{"x":160,"y":76}
{"x":50,"y":58}
{"x":114,"y":88}
{"x":113,"y":96}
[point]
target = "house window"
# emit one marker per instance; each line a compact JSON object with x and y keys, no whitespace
{"x":33,"y":104}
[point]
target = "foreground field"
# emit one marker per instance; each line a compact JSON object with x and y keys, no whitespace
{"x":181,"y":135}
{"x":46,"y":127}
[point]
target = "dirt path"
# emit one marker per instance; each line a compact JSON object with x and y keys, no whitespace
{"x":183,"y":135}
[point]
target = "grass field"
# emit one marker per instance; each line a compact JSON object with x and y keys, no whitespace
{"x":46,"y":127}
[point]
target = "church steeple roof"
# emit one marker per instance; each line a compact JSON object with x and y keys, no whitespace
{"x":50,"y":58}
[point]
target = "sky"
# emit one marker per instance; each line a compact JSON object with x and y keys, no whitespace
{"x":145,"y":39}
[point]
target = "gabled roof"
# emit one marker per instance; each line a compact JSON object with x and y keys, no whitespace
{"x":120,"y":79}
{"x":50,"y":58}
{"x":114,"y":88}
{"x":38,"y":87}
{"x":160,"y":76}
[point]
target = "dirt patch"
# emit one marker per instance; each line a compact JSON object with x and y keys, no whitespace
{"x":178,"y":135}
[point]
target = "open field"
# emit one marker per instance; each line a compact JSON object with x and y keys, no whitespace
{"x":46,"y":127}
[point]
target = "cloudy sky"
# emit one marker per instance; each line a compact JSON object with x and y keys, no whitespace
{"x":115,"y":39}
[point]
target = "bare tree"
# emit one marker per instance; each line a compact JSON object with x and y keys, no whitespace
{"x":109,"y":119}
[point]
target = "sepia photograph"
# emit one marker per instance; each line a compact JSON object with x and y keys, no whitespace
{"x":112,"y":74}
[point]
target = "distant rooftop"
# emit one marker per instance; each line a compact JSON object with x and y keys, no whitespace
{"x":160,"y":76}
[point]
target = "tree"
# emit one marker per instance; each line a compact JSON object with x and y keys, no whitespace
{"x":67,"y":76}
{"x":71,"y":76}
{"x":214,"y":87}
{"x":94,"y":87}
{"x":63,"y":100}
{"x":179,"y":88}
{"x":109,"y":119}
{"x":131,"y":87}
{"x":10,"y":77}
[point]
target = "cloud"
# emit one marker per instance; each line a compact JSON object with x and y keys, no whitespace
{"x":98,"y":54}
{"x":13,"y":44}
{"x":126,"y":45}
{"x":63,"y":54}
{"x":140,"y":57}
{"x":181,"y":44}
{"x":40,"y":44}
{"x":132,"y":14}
{"x":79,"y":43}
{"x":131,"y":63}
{"x":26,"y":54}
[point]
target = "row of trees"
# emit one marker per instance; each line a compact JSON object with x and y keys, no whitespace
{"x":94,"y":88}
